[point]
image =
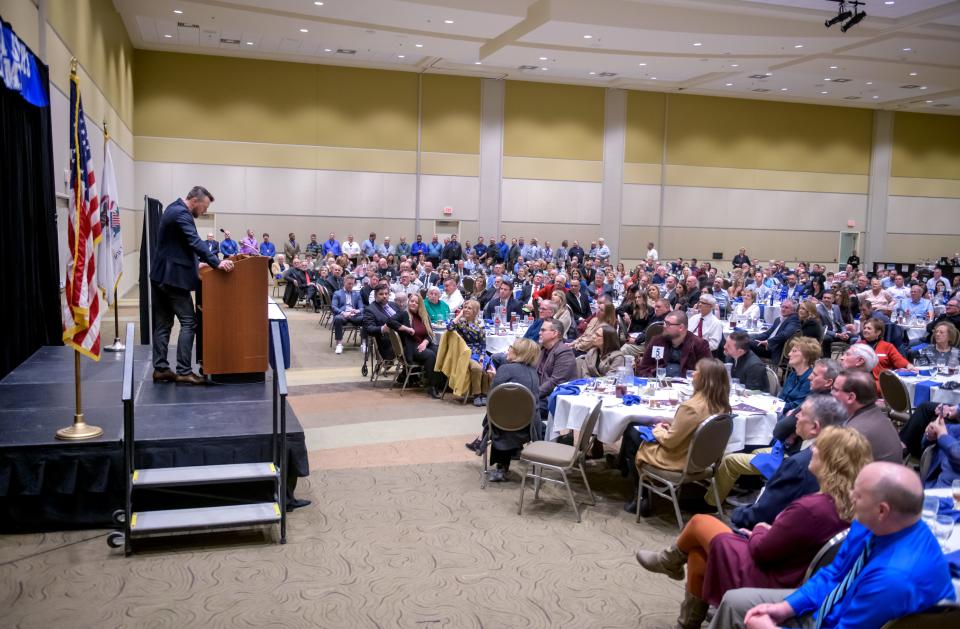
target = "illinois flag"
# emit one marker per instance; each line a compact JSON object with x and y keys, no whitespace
{"x":81,"y":312}
{"x":110,"y":251}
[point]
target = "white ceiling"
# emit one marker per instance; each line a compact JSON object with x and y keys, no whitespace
{"x":696,"y":46}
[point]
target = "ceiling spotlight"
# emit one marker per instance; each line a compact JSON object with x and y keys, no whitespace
{"x":869,"y":82}
{"x":592,"y":73}
{"x":448,"y":21}
{"x":168,"y":36}
{"x":327,"y":50}
{"x":783,"y":89}
{"x":178,"y":11}
{"x":833,"y":67}
{"x":419,"y":45}
{"x":913,"y":74}
{"x":928,"y":101}
{"x":478,"y":63}
{"x":824,"y":92}
{"x":303,"y":30}
{"x":923,"y":87}
{"x":319,"y":4}
{"x":249,"y":43}
{"x":653,"y":78}
{"x":588,"y":36}
{"x":889,"y":2}
{"x":798,"y":46}
{"x":641,"y":64}
{"x":544,"y":69}
{"x":729,"y":84}
{"x":698,"y":43}
{"x":734,"y":65}
{"x":542,"y":58}
{"x":874,"y":97}
{"x":401,"y":56}
{"x":907,"y":49}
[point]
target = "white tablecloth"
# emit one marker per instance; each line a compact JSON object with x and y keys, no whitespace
{"x":937,"y":394}
{"x":572,"y":411}
{"x":496,"y":343}
{"x":915,"y":334}
{"x":953,"y":544}
{"x":771,"y":314}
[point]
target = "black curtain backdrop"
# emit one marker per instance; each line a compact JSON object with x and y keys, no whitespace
{"x":152,"y":211}
{"x":30,"y":309}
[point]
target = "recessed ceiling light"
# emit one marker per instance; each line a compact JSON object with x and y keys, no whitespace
{"x":908,"y":50}
{"x":729,"y":84}
{"x":653,"y":78}
{"x":419,"y":45}
{"x":734,"y":65}
{"x":697,"y":43}
{"x":928,"y":101}
{"x":923,"y":87}
{"x":798,"y":45}
{"x":478,"y":63}
{"x":319,"y":4}
{"x":641,"y":64}
{"x":874,"y":97}
{"x":826,"y":78}
{"x":869,"y":82}
{"x":768,"y":74}
{"x":303,"y":30}
{"x":448,"y":21}
{"x":178,"y":11}
{"x":543,"y":58}
{"x":249,"y":43}
{"x":592,"y":73}
{"x":824,"y":92}
{"x":327,"y":50}
{"x":544,"y":68}
{"x":401,"y":56}
{"x":889,"y":2}
{"x":168,"y":36}
{"x":833,"y":67}
{"x":588,"y":36}
{"x":913,"y":74}
{"x":783,"y":89}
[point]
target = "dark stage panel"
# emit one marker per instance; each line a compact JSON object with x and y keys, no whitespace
{"x":47,"y":484}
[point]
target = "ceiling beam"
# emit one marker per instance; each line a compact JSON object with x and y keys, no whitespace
{"x":538,"y":14}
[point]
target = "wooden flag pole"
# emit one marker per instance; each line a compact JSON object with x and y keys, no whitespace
{"x":79,"y":429}
{"x":117,"y":345}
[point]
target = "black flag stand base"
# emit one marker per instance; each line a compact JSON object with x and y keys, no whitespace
{"x":79,"y":429}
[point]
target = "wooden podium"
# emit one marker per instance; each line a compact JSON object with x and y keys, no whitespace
{"x":234,"y":317}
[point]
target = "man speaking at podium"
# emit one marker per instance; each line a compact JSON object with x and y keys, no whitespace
{"x":174,"y":274}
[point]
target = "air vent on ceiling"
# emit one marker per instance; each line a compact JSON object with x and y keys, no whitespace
{"x":607,"y":74}
{"x":941,"y":105}
{"x":526,"y":67}
{"x":761,"y":89}
{"x":758,"y":76}
{"x":840,"y":80}
{"x":185,"y":25}
{"x":229,"y":41}
{"x":909,"y":87}
{"x":346,"y":51}
{"x":851,"y":98}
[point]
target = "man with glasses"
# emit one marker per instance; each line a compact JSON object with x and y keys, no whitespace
{"x":858,"y":394}
{"x":681,"y":349}
{"x":557,"y":362}
{"x":952,"y":315}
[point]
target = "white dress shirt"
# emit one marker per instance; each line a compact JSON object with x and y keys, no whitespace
{"x":453,"y":301}
{"x":712,"y":331}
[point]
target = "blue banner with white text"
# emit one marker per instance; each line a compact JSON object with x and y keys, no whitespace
{"x":18,"y":67}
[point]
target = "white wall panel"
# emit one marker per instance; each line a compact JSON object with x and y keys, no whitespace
{"x":123,"y":165}
{"x":641,"y":204}
{"x":342,"y":193}
{"x":227,"y":184}
{"x":761,"y":209}
{"x":460,"y":193}
{"x":153,"y":179}
{"x":923,"y":215}
{"x":540,"y":201}
{"x":280,"y":190}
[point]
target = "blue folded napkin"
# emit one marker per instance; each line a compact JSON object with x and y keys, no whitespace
{"x":953,"y":561}
{"x":562,"y":389}
{"x":579,"y":382}
{"x":646,"y":433}
{"x":946,"y":508}
{"x":639,"y":382}
{"x":767,"y":463}
{"x":630,"y":400}
{"x":905,"y":372}
{"x":921,"y":391}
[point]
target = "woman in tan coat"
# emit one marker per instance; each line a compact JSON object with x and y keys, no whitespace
{"x":606,"y":315}
{"x":604,"y":357}
{"x":711,"y":395}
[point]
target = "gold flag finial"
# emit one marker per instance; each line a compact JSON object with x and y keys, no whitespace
{"x":106,"y":132}
{"x":73,"y":65}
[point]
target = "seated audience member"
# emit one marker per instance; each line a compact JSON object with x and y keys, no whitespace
{"x":721,"y":295}
{"x":578,"y":302}
{"x":605,"y":315}
{"x":279,"y":266}
{"x":769,"y":555}
{"x":832,"y":320}
{"x":769,"y":344}
{"x":858,"y":394}
{"x":519,"y":368}
{"x":942,"y":349}
{"x":380,"y":316}
{"x":889,"y":566}
{"x":859,"y":357}
{"x":944,"y":467}
{"x":892,"y":333}
{"x":212,"y":245}
{"x":504,"y":299}
{"x":469,"y":325}
{"x":879,"y":298}
{"x":887,"y":355}
{"x":405,"y":284}
{"x":681,"y":350}
{"x":796,"y":386}
{"x":562,"y":311}
{"x":748,"y":308}
{"x":420,"y":346}
{"x":692,"y":295}
{"x":705,"y":324}
{"x":296,"y":279}
{"x":451,"y":296}
{"x":557,"y":363}
{"x":792,"y":479}
{"x":915,"y":306}
{"x":347,"y":308}
{"x":747,"y":367}
{"x":810,"y":325}
{"x":545,"y":311}
{"x":655,"y":314}
{"x":604,"y":355}
{"x":913,"y":433}
{"x":951,"y":314}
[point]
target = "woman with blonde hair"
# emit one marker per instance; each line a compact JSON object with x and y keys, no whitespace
{"x":810,"y":324}
{"x":772,"y":555}
{"x":469,"y":326}
{"x":607,"y":315}
{"x":796,"y":386}
{"x":748,"y":309}
{"x":562,"y":311}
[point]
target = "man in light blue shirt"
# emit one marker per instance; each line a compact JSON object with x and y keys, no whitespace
{"x":369,"y":246}
{"x":603,"y":251}
{"x":889,"y":566}
{"x":915,"y":306}
{"x":386,"y":248}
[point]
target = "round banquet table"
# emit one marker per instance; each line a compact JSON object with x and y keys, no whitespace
{"x":496,"y":343}
{"x":751,"y":427}
{"x":937,"y":394}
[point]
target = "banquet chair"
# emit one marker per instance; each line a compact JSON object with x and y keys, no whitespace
{"x":323,"y":301}
{"x":468,"y":286}
{"x":837,"y":348}
{"x":773,"y":382}
{"x":782,"y":366}
{"x":943,"y":615}
{"x":654,"y":329}
{"x":510,"y":407}
{"x":897,"y":397}
{"x":926,"y":460}
{"x":406,"y":368}
{"x":453,"y":355}
{"x":381,"y":366}
{"x":703,"y":458}
{"x":560,"y":458}
{"x":826,"y":554}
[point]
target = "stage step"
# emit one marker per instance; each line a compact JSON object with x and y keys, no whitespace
{"x":173,"y":520}
{"x":203,"y":474}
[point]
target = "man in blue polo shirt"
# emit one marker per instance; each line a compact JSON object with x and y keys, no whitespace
{"x":331,"y":245}
{"x":889,"y":566}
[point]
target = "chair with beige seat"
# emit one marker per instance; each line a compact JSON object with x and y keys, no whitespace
{"x":510,"y":407}
{"x":897,"y":397}
{"x":561,"y":458}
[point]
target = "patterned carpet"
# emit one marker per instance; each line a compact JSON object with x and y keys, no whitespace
{"x":399,"y":535}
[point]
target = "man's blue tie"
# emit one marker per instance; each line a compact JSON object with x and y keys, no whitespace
{"x":845,"y":584}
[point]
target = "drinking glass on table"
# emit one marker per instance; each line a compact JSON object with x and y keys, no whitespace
{"x":931,"y":505}
{"x":943,"y":529}
{"x":690,"y":373}
{"x":661,"y":373}
{"x":734,"y":385}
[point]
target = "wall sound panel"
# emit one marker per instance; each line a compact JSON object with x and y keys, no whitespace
{"x":281,"y":190}
{"x":940,"y":216}
{"x":761,"y":245}
{"x":460,"y":193}
{"x":227,"y":184}
{"x":641,"y":206}
{"x":537,"y":201}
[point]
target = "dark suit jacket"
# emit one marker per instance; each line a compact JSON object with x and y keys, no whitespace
{"x":751,"y":372}
{"x":831,"y":328}
{"x":374,"y":317}
{"x":579,"y":307}
{"x":178,"y":249}
{"x":212,"y":246}
{"x":775,"y":342}
{"x":557,"y":366}
{"x":692,"y":349}
{"x":513,"y":307}
{"x":792,"y":480}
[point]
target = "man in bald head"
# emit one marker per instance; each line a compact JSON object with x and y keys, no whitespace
{"x":889,"y":566}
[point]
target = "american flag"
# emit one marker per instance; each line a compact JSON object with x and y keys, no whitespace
{"x":81,"y":312}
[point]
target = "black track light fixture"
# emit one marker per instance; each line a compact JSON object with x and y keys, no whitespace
{"x":857,"y":17}
{"x":843,"y":15}
{"x":848,"y":12}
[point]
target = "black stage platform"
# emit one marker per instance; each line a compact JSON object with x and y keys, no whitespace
{"x":47,"y":484}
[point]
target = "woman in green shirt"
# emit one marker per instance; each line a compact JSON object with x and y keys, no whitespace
{"x":436,"y":309}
